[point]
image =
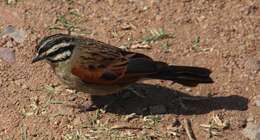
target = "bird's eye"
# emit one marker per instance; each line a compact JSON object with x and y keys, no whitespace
{"x":37,"y":48}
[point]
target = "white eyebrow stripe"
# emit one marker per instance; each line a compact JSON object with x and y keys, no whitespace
{"x":58,"y":46}
{"x":62,"y":55}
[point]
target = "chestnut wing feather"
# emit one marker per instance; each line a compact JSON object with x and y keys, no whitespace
{"x":100,"y":63}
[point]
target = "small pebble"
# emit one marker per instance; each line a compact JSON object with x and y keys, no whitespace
{"x":188,"y":89}
{"x":127,"y":26}
{"x":25,"y":86}
{"x":250,"y":119}
{"x":7,"y":54}
{"x":145,"y":8}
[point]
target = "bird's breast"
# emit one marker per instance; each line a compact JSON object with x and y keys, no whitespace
{"x":63,"y":72}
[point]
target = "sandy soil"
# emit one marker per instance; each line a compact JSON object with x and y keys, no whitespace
{"x":222,"y":35}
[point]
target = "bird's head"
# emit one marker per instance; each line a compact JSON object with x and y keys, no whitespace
{"x":54,"y":48}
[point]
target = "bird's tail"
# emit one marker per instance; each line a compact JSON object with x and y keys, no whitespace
{"x":185,"y":75}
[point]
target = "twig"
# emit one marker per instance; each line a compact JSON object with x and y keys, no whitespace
{"x":188,"y":129}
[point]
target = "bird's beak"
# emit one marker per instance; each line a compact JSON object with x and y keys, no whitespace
{"x":37,"y":58}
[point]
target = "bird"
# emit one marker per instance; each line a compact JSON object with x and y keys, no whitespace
{"x":99,"y":69}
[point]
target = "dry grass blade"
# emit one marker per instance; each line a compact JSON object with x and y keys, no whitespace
{"x":140,"y":46}
{"x":216,"y":126}
{"x":24,"y":133}
{"x":130,"y":116}
{"x":49,"y":89}
{"x":211,"y":132}
{"x":196,"y":44}
{"x":123,"y":126}
{"x":56,"y":102}
{"x":188,"y":129}
{"x":155,"y":35}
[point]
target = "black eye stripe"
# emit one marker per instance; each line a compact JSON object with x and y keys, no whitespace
{"x":59,"y":51}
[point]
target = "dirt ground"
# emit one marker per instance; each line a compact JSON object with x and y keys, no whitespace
{"x":222,"y":35}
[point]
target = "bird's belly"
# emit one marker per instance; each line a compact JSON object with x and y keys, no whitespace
{"x":74,"y":82}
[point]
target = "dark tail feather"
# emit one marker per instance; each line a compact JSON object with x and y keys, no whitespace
{"x":185,"y":75}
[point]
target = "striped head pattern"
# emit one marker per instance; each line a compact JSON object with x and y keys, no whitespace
{"x":55,"y":48}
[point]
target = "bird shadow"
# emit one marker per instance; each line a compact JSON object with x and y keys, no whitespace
{"x":156,"y":99}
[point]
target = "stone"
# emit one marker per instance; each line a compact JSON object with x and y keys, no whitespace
{"x":7,"y":54}
{"x":17,"y":34}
